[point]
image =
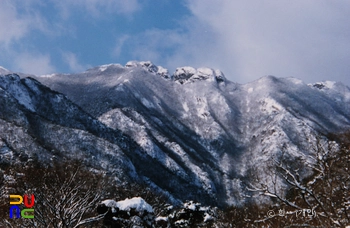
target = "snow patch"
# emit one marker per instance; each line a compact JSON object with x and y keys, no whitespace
{"x":146,"y":103}
{"x":185,"y":106}
{"x":208,"y":218}
{"x":104,"y":67}
{"x":18,"y":91}
{"x":161,"y":218}
{"x":47,"y":75}
{"x":270,"y":105}
{"x":202,"y":107}
{"x":136,"y":203}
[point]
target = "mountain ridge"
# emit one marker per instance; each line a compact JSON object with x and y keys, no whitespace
{"x":210,"y":135}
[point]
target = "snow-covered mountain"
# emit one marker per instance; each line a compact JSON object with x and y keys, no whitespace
{"x":193,"y":134}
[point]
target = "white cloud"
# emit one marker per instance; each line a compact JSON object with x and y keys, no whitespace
{"x":283,"y":38}
{"x":17,"y":20}
{"x":249,"y":39}
{"x":194,"y":45}
{"x":73,"y":63}
{"x":37,"y":64}
{"x":119,"y":45}
{"x":12,"y":26}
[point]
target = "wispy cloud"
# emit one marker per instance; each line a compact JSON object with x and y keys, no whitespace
{"x":73,"y":63}
{"x":299,"y":38}
{"x":249,"y":39}
{"x":245,"y":39}
{"x":17,"y":21}
{"x":12,"y":25}
{"x":37,"y":64}
{"x":22,"y":21}
{"x":119,"y":45}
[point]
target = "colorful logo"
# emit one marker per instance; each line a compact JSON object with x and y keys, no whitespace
{"x":27,"y":212}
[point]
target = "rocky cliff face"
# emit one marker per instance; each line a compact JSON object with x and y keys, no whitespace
{"x":194,"y":134}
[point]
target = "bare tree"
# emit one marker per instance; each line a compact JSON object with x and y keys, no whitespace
{"x":65,"y":196}
{"x":325,"y":195}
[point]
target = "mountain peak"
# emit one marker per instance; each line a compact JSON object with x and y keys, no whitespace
{"x":104,"y":68}
{"x":182,"y":75}
{"x":150,"y":67}
{"x":189,"y":74}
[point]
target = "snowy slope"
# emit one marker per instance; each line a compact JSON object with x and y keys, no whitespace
{"x":40,"y":124}
{"x":198,"y":135}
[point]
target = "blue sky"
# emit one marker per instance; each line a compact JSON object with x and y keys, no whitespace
{"x":306,"y":39}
